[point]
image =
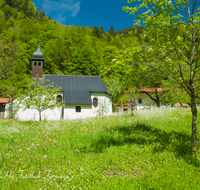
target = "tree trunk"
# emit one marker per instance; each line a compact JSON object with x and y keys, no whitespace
{"x":194,"y":121}
{"x":158,"y":103}
{"x":40,"y":118}
{"x":157,"y":99}
{"x":11,"y":108}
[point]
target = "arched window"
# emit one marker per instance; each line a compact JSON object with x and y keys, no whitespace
{"x":95,"y":102}
{"x":39,"y":64}
{"x":35,"y":63}
{"x":59,"y":98}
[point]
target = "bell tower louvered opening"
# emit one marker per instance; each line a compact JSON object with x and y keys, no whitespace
{"x":37,"y":62}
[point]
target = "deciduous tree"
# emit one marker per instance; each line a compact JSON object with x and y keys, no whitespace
{"x":174,"y":30}
{"x":40,"y":96}
{"x":13,"y":78}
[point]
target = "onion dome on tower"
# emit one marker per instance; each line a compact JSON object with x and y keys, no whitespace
{"x":37,"y":62}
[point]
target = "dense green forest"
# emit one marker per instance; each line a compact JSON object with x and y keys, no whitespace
{"x":73,"y":50}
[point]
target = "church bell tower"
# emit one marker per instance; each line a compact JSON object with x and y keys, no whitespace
{"x":37,"y":62}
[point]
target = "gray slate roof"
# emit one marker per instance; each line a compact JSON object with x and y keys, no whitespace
{"x":77,"y":88}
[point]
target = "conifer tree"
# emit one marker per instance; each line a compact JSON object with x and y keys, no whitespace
{"x":96,"y":31}
{"x":40,"y":13}
{"x":25,"y":8}
{"x":112,"y":31}
{"x":102,"y":31}
{"x":9,"y":2}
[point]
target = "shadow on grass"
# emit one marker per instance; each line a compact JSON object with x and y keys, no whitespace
{"x":140,"y":134}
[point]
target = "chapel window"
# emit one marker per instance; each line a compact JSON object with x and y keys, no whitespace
{"x":39,"y":64}
{"x":78,"y":108}
{"x":59,"y":98}
{"x":95,"y":102}
{"x":35,"y":63}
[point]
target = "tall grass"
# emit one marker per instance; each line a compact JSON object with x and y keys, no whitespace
{"x":146,"y":150}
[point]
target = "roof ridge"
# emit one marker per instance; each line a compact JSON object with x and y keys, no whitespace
{"x":73,"y":75}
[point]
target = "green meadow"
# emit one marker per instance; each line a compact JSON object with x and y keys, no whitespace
{"x":146,"y":150}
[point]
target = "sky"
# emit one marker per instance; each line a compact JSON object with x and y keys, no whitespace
{"x":88,"y":12}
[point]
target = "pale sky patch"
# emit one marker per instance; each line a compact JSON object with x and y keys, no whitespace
{"x":62,"y":8}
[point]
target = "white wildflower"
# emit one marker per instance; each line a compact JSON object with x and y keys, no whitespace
{"x":45,"y":156}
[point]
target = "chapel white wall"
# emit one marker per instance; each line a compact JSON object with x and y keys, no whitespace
{"x":69,"y":111}
{"x":87,"y":111}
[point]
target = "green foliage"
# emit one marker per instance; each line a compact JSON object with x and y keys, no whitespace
{"x":111,"y":31}
{"x":8,"y":11}
{"x":102,"y":31}
{"x":173,"y":30}
{"x":131,"y":31}
{"x":109,"y":54}
{"x":2,"y":21}
{"x":13,"y":79}
{"x":175,"y":94}
{"x":25,"y":7}
{"x":96,"y":32}
{"x":114,"y":88}
{"x":68,"y":50}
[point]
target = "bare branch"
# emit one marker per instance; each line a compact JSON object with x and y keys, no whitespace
{"x":150,"y":96}
{"x":180,"y":71}
{"x":181,"y":53}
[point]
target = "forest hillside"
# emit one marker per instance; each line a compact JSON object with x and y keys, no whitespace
{"x":69,"y":50}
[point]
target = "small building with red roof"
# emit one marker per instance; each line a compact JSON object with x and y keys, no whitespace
{"x":3,"y":102}
{"x":143,"y":101}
